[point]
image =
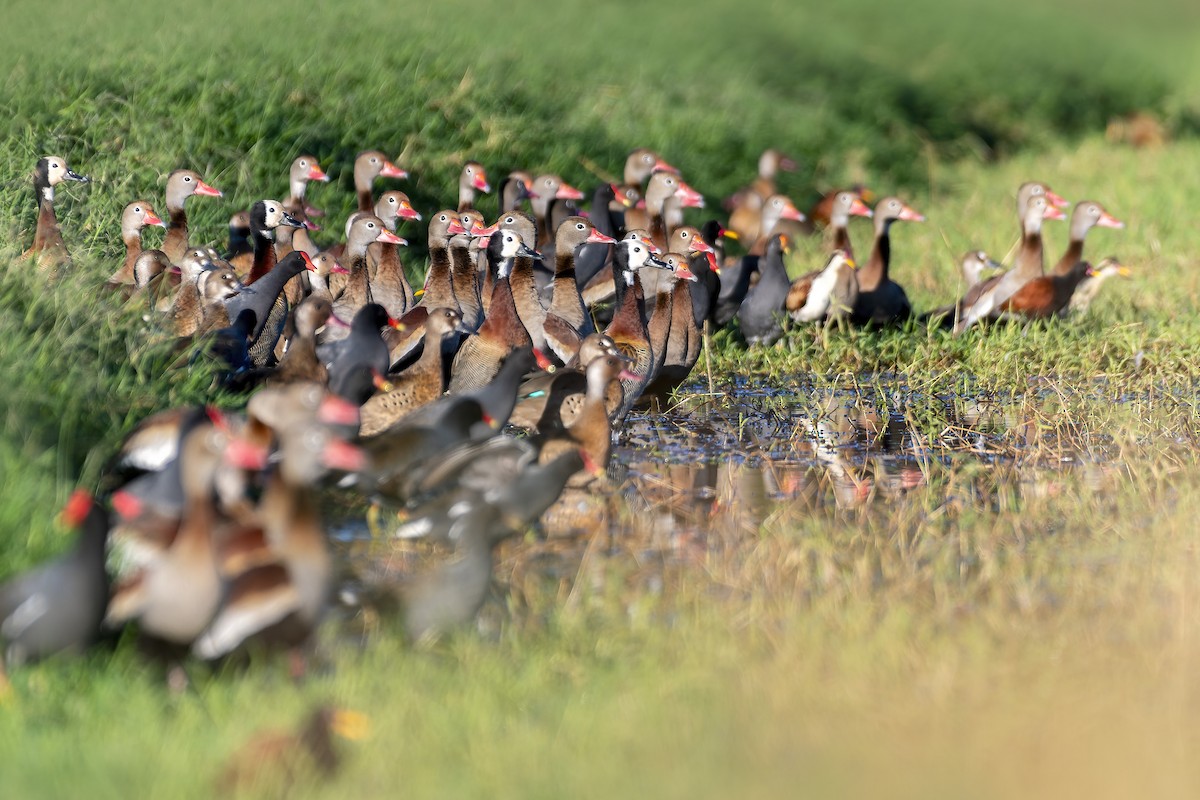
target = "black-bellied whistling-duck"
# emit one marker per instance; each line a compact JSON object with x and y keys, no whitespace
{"x":368,"y":166}
{"x":216,"y":287}
{"x":439,"y":279}
{"x":567,"y":320}
{"x":300,"y":362}
{"x":641,"y":164}
{"x":174,"y":596}
{"x":663,"y":186}
{"x":1025,"y":192}
{"x":305,"y":168}
{"x":181,"y":184}
{"x":822,"y":211}
{"x":282,"y":759}
{"x":149,"y":272}
{"x":762,"y":310}
{"x":971,"y":266}
{"x":1087,"y":214}
{"x":830,"y":295}
{"x":472,"y":179}
{"x":1046,"y":295}
{"x":137,"y":215}
{"x":882,"y":301}
{"x":201,"y":306}
{"x":746,"y":204}
{"x":362,"y":347}
{"x":534,"y":392}
{"x":392,"y":207}
{"x":844,"y":204}
{"x":279,"y":589}
{"x":58,"y":606}
{"x":389,"y":285}
{"x":420,"y":384}
{"x":47,"y":237}
{"x":464,"y":269}
{"x":366,"y":229}
{"x":325,"y":266}
{"x":547,"y":188}
{"x":591,"y":431}
{"x":628,"y":326}
{"x":185,"y":307}
{"x":1087,"y":290}
{"x":516,"y":186}
{"x":481,"y":354}
{"x":670,"y":324}
{"x":1029,"y":264}
{"x":775,"y":209}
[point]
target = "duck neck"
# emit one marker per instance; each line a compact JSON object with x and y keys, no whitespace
{"x":264,"y":254}
{"x":658,"y":227}
{"x":503,"y":323}
{"x":841,"y":234}
{"x":464,"y":275}
{"x":566,"y":301}
{"x":630,"y":315}
{"x":875,"y":272}
{"x":43,"y":192}
{"x":175,"y":243}
{"x":365,"y":203}
{"x":466,"y":198}
{"x":439,"y":286}
{"x":1070,"y":258}
{"x":1030,"y":261}
{"x":133,"y":249}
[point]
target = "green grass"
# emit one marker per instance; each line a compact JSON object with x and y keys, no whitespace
{"x":1009,"y":627}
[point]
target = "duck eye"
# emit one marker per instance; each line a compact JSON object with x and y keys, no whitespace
{"x":374,"y":160}
{"x":138,"y":209}
{"x":509,"y":220}
{"x":549,"y":182}
{"x":187,"y":178}
{"x":579,"y":226}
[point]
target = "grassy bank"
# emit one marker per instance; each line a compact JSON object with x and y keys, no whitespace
{"x":1014,"y":636}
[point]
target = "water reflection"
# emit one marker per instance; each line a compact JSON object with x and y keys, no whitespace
{"x":699,"y":481}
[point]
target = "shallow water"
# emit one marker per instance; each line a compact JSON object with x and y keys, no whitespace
{"x":702,"y":478}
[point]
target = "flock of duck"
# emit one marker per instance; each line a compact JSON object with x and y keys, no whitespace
{"x":465,"y":406}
